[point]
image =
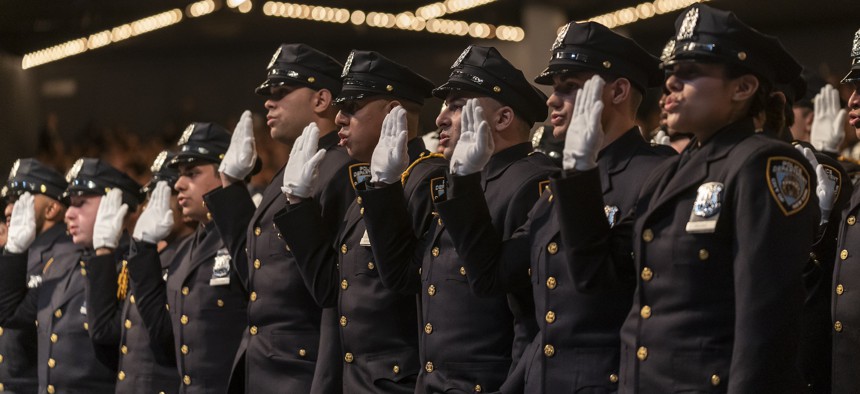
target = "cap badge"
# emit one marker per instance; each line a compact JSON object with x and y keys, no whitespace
{"x":186,"y":135}
{"x":855,"y":47}
{"x":348,"y":64}
{"x":462,"y":56}
{"x":158,"y":162}
{"x":73,"y":172}
{"x":668,"y":50}
{"x":274,"y":58}
{"x":560,"y":38}
{"x":14,"y":171}
{"x":688,"y":25}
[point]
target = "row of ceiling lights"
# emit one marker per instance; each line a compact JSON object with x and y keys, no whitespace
{"x":626,"y":16}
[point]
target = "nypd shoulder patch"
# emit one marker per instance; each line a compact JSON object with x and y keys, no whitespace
{"x":359,"y":173}
{"x":788,"y":182}
{"x":439,"y":189}
{"x":836,"y":177}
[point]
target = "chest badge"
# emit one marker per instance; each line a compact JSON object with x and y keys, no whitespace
{"x":613,"y":215}
{"x":221,"y":269}
{"x":706,"y":208}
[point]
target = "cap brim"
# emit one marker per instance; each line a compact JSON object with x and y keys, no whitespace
{"x":446,"y":88}
{"x":852,"y":76}
{"x":354,"y":95}
{"x":190,"y":158}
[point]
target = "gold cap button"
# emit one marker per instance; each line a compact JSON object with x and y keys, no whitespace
{"x":257,"y":264}
{"x":551,"y":282}
{"x":183,"y":319}
{"x":127,"y":323}
{"x":703,"y":254}
{"x":253,"y":330}
{"x":742,"y":55}
{"x":54,"y":338}
{"x":303,"y":352}
{"x":348,"y":357}
{"x":463,"y":271}
{"x":431,"y":290}
{"x":715,"y":380}
{"x":185,"y":290}
{"x":548,"y":350}
{"x":184,"y":349}
{"x":844,"y":254}
{"x":257,"y":231}
{"x":343,"y":321}
{"x":607,"y":64}
{"x":647,"y":274}
{"x":344,"y":284}
{"x":435,"y":251}
{"x":311,"y":79}
{"x":613,"y":378}
{"x":837,"y":326}
{"x":123,"y":349}
{"x":343,"y":249}
{"x":187,"y":380}
{"x":550,"y":317}
{"x":395,"y":369}
{"x":52,"y":363}
{"x":253,"y":296}
{"x":120,"y":375}
{"x":428,"y":367}
{"x":645,"y":312}
{"x":220,"y":303}
{"x":389,"y":88}
{"x":647,"y":235}
{"x":497,"y":89}
{"x":50,"y":389}
{"x":58,"y":313}
{"x":642,"y":353}
{"x":851,"y":220}
{"x":370,"y":265}
{"x":428,"y":328}
{"x":552,"y":248}
{"x":478,"y":388}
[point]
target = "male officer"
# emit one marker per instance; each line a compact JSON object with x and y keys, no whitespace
{"x":377,"y":325}
{"x":144,"y":366}
{"x":577,"y":346}
{"x":282,"y":356}
{"x":466,"y":341}
{"x":846,"y":277}
{"x":18,"y":345}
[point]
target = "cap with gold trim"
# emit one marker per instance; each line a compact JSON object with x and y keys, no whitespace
{"x":30,"y":175}
{"x":161,"y":171}
{"x":854,"y":74}
{"x":206,"y":142}
{"x":89,"y":176}
{"x":300,"y":64}
{"x":368,"y":73}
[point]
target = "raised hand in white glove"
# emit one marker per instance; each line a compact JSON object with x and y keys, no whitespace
{"x":828,"y":120}
{"x":390,"y":156}
{"x":111,"y":214}
{"x":476,"y":145}
{"x":156,"y":220}
{"x":825,"y":187}
{"x":661,"y":138}
{"x":584,"y":135}
{"x":22,"y":225}
{"x":301,"y":170}
{"x":241,"y":156}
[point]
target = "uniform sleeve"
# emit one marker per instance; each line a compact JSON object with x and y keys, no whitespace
{"x":144,"y":265}
{"x":337,"y":195}
{"x":419,"y":199}
{"x":102,"y":305}
{"x":493,"y":267}
{"x":394,"y":244}
{"x":770,"y":250}
{"x":232,"y":209}
{"x":305,"y":233}
{"x":17,"y":302}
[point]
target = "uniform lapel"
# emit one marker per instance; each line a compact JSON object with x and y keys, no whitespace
{"x":270,"y":195}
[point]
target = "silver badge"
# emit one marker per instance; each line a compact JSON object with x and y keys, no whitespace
{"x":612,"y":214}
{"x":158,"y":162}
{"x":462,"y":56}
{"x":274,"y":58}
{"x":689,"y":24}
{"x":14,"y":170}
{"x":73,"y":172}
{"x":34,"y":281}
{"x":559,"y":39}
{"x":708,"y":199}
{"x":855,"y":47}
{"x":348,"y":64}
{"x":186,"y":135}
{"x":668,"y":50}
{"x":221,"y":268}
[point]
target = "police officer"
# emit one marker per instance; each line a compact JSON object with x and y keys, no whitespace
{"x":33,"y":247}
{"x":466,"y":341}
{"x":116,"y":318}
{"x":723,"y":231}
{"x":377,"y":325}
{"x":846,"y":318}
{"x":577,"y":346}
{"x":283,"y":354}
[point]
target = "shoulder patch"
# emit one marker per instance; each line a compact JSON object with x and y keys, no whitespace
{"x":836,"y":177}
{"x":405,"y":175}
{"x":438,"y":189}
{"x":543,"y":186}
{"x":358,"y":174}
{"x":788,"y":182}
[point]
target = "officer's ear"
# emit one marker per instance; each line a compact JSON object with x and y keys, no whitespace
{"x":393,"y":104}
{"x":503,"y":117}
{"x":322,"y":100}
{"x":745,"y":87}
{"x":54,"y":211}
{"x":618,"y":90}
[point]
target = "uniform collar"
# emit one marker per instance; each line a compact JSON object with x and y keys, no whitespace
{"x":502,"y":160}
{"x":45,"y":243}
{"x":415,"y":148}
{"x":722,"y":142}
{"x":615,"y":156}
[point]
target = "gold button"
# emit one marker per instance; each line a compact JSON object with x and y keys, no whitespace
{"x":613,"y":378}
{"x":439,"y":221}
{"x":257,"y":264}
{"x":50,"y":389}
{"x":83,"y":272}
{"x":120,"y":375}
{"x":370,"y":265}
{"x":220,"y":303}
{"x":715,"y":380}
{"x":607,"y":64}
{"x":187,"y":380}
{"x":1,"y":331}
{"x":840,"y":289}
{"x":478,"y":388}
{"x":311,"y":79}
{"x":358,"y":200}
{"x":127,"y":323}
{"x":343,"y":321}
{"x":435,"y":251}
{"x":837,"y":326}
{"x":851,"y":220}
{"x":253,"y":296}
{"x":123,"y":349}
{"x":344,"y":284}
{"x":428,"y":367}
{"x":497,"y":89}
{"x":530,"y":272}
{"x":742,"y":55}
{"x":428,"y":328}
{"x":185,"y":290}
{"x":552,"y":248}
{"x":647,"y":274}
{"x":303,"y":352}
{"x":86,"y":326}
{"x":647,"y":235}
{"x":54,"y":338}
{"x":83,"y":264}
{"x":642,"y":353}
{"x":645,"y":312}
{"x":844,"y":254}
{"x":52,"y":363}
{"x":348,"y":357}
{"x":548,"y":350}
{"x":167,"y":307}
{"x":431,"y":290}
{"x":389,"y":88}
{"x":2,"y":388}
{"x":253,"y":330}
{"x":343,"y":249}
{"x":257,"y":231}
{"x":184,"y":349}
{"x":703,"y":254}
{"x":395,"y":369}
{"x":183,"y":319}
{"x":551,"y":282}
{"x":463,"y":271}
{"x":58,"y":313}
{"x":131,"y":299}
{"x":550,"y":317}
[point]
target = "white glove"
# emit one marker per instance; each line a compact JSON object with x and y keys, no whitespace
{"x":661,"y":138}
{"x":584,"y":135}
{"x":301,"y":170}
{"x":109,"y":218}
{"x":828,"y":120}
{"x":22,"y":225}
{"x":390,"y":156}
{"x":476,"y":145}
{"x":239,"y":160}
{"x":825,"y":187}
{"x":156,"y":221}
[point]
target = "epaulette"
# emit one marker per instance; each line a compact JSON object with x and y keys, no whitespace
{"x":424,"y":156}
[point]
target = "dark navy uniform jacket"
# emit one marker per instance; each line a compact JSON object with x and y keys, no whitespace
{"x":285,"y":352}
{"x":577,"y":347}
{"x":722,"y":235}
{"x":378,"y":329}
{"x":466,"y":341}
